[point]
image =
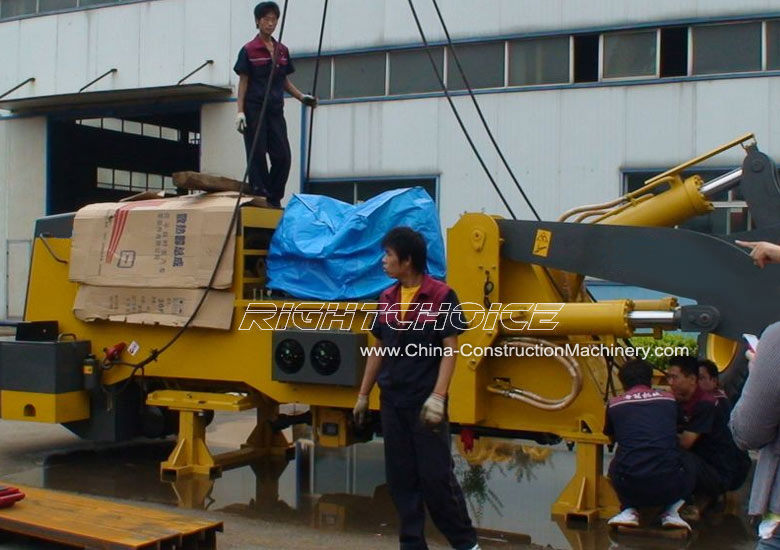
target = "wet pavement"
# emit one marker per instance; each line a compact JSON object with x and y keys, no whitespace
{"x":509,"y":487}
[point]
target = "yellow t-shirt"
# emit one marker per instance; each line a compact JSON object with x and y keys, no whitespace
{"x":407,"y":295}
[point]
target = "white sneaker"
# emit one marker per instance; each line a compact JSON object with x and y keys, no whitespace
{"x":627,"y":518}
{"x":670,"y":518}
{"x":475,"y":547}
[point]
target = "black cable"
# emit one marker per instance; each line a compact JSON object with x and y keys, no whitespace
{"x":155,"y":353}
{"x":314,"y":91}
{"x":451,"y":46}
{"x":455,"y":111}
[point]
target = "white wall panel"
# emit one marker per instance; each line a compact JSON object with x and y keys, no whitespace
{"x":9,"y":45}
{"x":22,"y":186}
{"x":118,"y":46}
{"x":528,"y":131}
{"x":25,"y":175}
{"x":4,"y":193}
{"x":659,"y":125}
{"x":162,"y":42}
{"x":37,"y":57}
{"x":207,"y":36}
{"x":221,"y":146}
{"x":725,"y":109}
{"x":73,"y":52}
{"x":405,"y":126}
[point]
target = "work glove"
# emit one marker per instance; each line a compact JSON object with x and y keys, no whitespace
{"x":433,"y":410}
{"x":241,"y":122}
{"x":309,"y":100}
{"x":360,"y":410}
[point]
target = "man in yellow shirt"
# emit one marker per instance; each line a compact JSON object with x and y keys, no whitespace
{"x":420,"y":316}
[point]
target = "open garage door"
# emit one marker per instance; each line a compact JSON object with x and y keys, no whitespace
{"x":107,"y":156}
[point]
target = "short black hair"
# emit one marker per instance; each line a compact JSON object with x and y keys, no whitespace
{"x":636,"y":372}
{"x":712,"y":368}
{"x":407,"y":244}
{"x":687,"y":364}
{"x":262,"y":9}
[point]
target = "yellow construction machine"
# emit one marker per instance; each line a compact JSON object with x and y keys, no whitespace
{"x":522,"y":283}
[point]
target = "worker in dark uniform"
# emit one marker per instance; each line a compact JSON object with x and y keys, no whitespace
{"x":710,"y":382}
{"x":704,"y":433}
{"x":413,"y":396}
{"x":648,"y":468}
{"x":253,"y":66}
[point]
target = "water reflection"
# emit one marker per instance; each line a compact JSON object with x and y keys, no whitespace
{"x":509,"y":487}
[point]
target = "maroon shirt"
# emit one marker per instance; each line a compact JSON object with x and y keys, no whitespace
{"x":254,"y":60}
{"x":408,"y":378}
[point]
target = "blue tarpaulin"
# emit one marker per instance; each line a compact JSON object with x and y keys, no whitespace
{"x":326,"y":249}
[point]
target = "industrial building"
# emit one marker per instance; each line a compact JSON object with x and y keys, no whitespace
{"x":103,"y":99}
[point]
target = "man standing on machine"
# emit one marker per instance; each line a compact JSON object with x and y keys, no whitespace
{"x":254,"y":66}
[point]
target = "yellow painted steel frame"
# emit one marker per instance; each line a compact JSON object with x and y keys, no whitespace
{"x":240,"y":359}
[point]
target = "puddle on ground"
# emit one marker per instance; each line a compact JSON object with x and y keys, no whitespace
{"x":509,"y":487}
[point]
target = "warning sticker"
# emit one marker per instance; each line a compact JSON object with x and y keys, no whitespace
{"x":542,"y":242}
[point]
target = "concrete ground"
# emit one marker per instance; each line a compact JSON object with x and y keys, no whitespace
{"x":25,"y":458}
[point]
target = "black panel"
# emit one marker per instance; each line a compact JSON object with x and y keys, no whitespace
{"x":59,"y":226}
{"x":43,"y":367}
{"x":318,"y":357}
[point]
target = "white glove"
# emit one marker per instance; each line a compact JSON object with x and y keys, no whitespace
{"x":241,"y":122}
{"x":432,"y":412}
{"x":360,"y":410}
{"x":309,"y":100}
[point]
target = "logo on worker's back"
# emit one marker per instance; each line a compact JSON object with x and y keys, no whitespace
{"x":126,"y":259}
{"x":513,"y":317}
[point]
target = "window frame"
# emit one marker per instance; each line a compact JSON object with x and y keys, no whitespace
{"x":356,"y":181}
{"x":602,"y":56}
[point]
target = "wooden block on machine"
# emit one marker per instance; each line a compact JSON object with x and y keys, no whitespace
{"x":205,"y":182}
{"x":91,"y":523}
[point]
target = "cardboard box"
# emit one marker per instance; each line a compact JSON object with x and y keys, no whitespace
{"x":154,"y":306}
{"x":160,"y":243}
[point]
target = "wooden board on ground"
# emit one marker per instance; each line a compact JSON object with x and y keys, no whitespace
{"x":654,"y":532}
{"x":93,"y":524}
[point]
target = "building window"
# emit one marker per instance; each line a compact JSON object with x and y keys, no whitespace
{"x":303,"y":77}
{"x":17,"y":8}
{"x":539,"y":61}
{"x":674,"y":52}
{"x":731,"y":214}
{"x":586,"y":58}
{"x":731,"y":48}
{"x":482,"y":63}
{"x":126,"y":180}
{"x":630,"y":54}
{"x":359,"y":75}
{"x":360,"y":190}
{"x":54,"y":5}
{"x":411,"y":71}
{"x":133,"y":127}
{"x":773,"y":45}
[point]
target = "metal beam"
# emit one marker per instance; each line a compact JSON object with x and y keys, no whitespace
{"x":207,"y":62}
{"x":31,"y":79}
{"x":108,"y":72}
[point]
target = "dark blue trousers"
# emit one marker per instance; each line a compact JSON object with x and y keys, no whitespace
{"x":419,"y":469}
{"x":273,"y":142}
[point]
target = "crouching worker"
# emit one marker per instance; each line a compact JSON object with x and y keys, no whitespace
{"x":413,"y":395}
{"x":648,"y":468}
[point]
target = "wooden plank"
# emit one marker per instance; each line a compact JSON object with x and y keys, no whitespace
{"x":198,"y":181}
{"x":93,"y":523}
